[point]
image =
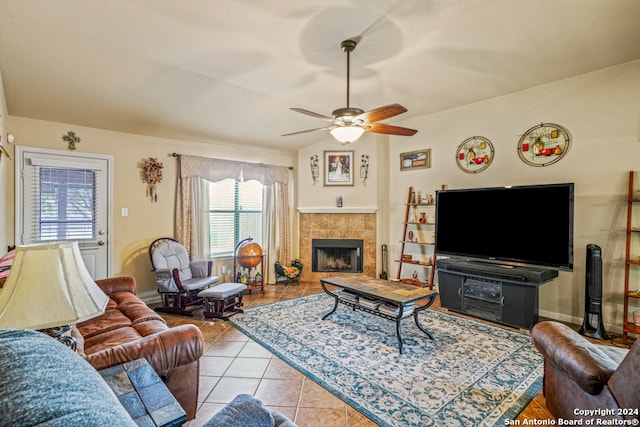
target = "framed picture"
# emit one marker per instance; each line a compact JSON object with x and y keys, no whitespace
{"x":419,"y":159}
{"x":338,"y":168}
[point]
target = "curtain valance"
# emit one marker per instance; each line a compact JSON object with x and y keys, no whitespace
{"x":219,"y":169}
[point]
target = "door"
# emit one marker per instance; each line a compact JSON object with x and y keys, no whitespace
{"x":65,"y":196}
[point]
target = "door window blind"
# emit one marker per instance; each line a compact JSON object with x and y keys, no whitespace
{"x":64,"y":201}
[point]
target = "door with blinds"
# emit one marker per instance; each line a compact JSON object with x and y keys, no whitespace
{"x":64,"y":196}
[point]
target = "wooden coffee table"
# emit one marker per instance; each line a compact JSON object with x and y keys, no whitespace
{"x":392,"y":294}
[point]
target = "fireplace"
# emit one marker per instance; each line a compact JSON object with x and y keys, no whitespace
{"x":337,"y":255}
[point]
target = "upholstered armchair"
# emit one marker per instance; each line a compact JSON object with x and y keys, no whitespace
{"x":584,"y":380}
{"x":179,"y":278}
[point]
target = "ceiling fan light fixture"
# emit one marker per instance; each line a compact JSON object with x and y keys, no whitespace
{"x":347,"y":134}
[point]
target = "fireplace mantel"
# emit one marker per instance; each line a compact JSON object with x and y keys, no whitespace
{"x":355,"y":210}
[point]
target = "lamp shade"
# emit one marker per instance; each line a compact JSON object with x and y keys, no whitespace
{"x":347,"y":134}
{"x":49,"y":286}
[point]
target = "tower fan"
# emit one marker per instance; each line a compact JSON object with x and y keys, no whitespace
{"x":592,"y":325}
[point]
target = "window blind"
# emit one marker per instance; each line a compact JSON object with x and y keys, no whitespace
{"x":64,"y":201}
{"x":235,"y":212}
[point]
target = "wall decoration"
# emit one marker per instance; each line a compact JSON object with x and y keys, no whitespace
{"x":315,"y":169}
{"x":338,"y":168}
{"x":153,"y":176}
{"x":419,"y":159}
{"x":364,"y":168}
{"x":544,"y":144}
{"x":71,"y":139}
{"x":475,"y":154}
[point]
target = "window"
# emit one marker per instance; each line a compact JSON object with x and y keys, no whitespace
{"x":65,"y":204}
{"x":235,"y":213}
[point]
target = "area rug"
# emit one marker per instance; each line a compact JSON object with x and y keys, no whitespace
{"x":471,"y":374}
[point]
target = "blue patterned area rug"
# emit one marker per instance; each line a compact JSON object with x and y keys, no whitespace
{"x":471,"y":374}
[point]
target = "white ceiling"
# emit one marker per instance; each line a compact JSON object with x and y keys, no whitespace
{"x":214,"y":70}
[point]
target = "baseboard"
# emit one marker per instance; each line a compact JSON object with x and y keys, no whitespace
{"x":564,"y":318}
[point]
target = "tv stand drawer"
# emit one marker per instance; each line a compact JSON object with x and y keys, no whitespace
{"x":488,"y":310}
{"x":481,"y":288}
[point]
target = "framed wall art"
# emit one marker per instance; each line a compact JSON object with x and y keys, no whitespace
{"x":419,"y":159}
{"x":544,"y":144}
{"x":338,"y":168}
{"x":475,"y":154}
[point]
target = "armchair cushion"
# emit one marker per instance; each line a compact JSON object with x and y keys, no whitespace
{"x":624,"y":383}
{"x":197,"y":283}
{"x":172,"y":255}
{"x":174,"y":271}
{"x":200,"y":268}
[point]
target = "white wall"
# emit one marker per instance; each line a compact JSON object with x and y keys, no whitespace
{"x":361,"y":194}
{"x":4,"y":175}
{"x":601,"y":110}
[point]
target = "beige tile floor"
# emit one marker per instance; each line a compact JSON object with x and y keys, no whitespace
{"x":233,"y":364}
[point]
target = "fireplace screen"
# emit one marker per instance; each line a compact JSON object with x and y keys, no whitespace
{"x":337,"y":255}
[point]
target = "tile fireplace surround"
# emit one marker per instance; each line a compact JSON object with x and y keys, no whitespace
{"x":337,"y":226}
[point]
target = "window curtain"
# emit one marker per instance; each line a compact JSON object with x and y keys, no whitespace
{"x":199,"y":219}
{"x":276,"y":226}
{"x":191,"y":205}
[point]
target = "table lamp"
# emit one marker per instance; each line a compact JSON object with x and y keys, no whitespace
{"x":49,"y":289}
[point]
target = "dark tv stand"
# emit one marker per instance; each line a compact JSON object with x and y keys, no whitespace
{"x":499,"y":293}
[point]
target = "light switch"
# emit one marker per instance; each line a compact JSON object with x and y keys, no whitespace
{"x":125,"y":211}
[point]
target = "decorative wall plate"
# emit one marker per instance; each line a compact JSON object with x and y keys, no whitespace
{"x":475,"y":154}
{"x":544,"y":144}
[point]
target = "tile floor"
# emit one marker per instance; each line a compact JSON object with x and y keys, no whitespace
{"x":232,"y":364}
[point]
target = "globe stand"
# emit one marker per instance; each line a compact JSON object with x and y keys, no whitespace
{"x":249,"y":255}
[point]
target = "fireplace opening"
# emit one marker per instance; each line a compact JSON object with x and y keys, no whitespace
{"x":337,"y":255}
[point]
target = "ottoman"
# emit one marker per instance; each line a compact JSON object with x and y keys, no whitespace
{"x":223,"y":300}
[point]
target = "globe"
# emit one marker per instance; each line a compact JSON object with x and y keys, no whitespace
{"x":249,"y":254}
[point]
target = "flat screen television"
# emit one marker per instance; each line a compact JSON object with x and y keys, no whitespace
{"x":521,"y":225}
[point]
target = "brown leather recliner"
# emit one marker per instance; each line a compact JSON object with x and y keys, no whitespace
{"x":129,"y":330}
{"x":583,"y":380}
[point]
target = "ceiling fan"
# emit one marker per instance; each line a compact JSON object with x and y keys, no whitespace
{"x":349,"y":123}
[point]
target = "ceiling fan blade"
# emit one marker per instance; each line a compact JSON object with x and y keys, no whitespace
{"x":389,"y":129}
{"x":312,"y":114}
{"x":381,"y":113}
{"x":309,"y":130}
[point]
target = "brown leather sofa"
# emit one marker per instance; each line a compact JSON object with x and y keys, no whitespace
{"x":583,"y":380}
{"x":129,"y":330}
